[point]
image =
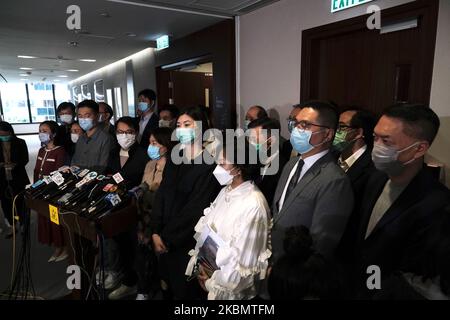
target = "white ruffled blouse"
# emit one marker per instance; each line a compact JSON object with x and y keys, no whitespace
{"x":241,"y":218}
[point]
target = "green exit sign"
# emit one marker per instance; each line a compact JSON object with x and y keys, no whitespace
{"x":338,"y":5}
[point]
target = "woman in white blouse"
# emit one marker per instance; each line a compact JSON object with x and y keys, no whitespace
{"x":240,"y":217}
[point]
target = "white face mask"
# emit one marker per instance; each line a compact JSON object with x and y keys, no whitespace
{"x":74,"y":137}
{"x":66,"y":118}
{"x":165,"y":123}
{"x":222,"y":175}
{"x":126,"y":140}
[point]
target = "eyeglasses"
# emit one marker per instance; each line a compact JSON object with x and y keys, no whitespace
{"x":306,"y":125}
{"x":125,"y":132}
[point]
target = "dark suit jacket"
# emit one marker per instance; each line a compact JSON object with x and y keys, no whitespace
{"x":152,"y":124}
{"x":19,"y":156}
{"x":322,"y":201}
{"x":400,"y":232}
{"x":134,"y":168}
{"x":268,"y":183}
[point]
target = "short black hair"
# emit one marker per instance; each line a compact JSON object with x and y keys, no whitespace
{"x":6,"y":126}
{"x":197,"y":114}
{"x":108,"y":108}
{"x":328,"y":115}
{"x":54,"y":128}
{"x":302,"y":273}
{"x":363,"y":119}
{"x":129,"y":121}
{"x":163,"y":136}
{"x":419,"y":120}
{"x":76,"y":122}
{"x":148,"y":93}
{"x":241,"y":157}
{"x":91,"y":104}
{"x":65,"y":105}
{"x":170,"y":108}
{"x":262,"y":113}
{"x":268,"y":124}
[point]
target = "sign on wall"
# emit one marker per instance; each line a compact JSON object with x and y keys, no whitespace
{"x":338,"y":5}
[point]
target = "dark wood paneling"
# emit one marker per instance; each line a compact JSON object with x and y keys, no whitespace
{"x":217,"y":42}
{"x":351,"y":65}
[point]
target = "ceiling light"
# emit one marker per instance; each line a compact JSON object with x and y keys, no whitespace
{"x":72,"y":70}
{"x":63,"y":76}
{"x":24,"y":75}
{"x":26,"y":57}
{"x":130,"y":34}
{"x":24,"y":68}
{"x":73,"y":43}
{"x":87,"y":60}
{"x":24,"y":79}
{"x":105,"y":15}
{"x":56,"y":80}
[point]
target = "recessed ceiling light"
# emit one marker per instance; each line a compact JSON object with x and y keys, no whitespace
{"x":87,"y":60}
{"x":24,"y":79}
{"x":73,"y":43}
{"x":24,"y":75}
{"x":72,"y":70}
{"x":105,"y":15}
{"x":24,"y":68}
{"x":63,"y":76}
{"x":26,"y":57}
{"x":56,"y":80}
{"x":131,"y":34}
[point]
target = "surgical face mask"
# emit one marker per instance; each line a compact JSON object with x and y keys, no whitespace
{"x":385,"y":159}
{"x":86,"y":123}
{"x":258,"y":146}
{"x":300,"y":140}
{"x":66,"y":118}
{"x":5,"y":138}
{"x":126,"y":140}
{"x":246,"y":123}
{"x":44,"y":137}
{"x":340,"y":142}
{"x":74,"y":137}
{"x":153,"y":152}
{"x":185,"y":135}
{"x":143,"y":106}
{"x":222,"y":175}
{"x":165,"y":123}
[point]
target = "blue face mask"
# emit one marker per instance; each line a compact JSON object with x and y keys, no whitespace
{"x":300,"y":140}
{"x":5,"y":138}
{"x":86,"y":123}
{"x":153,"y":152}
{"x":185,"y":135}
{"x":143,"y":106}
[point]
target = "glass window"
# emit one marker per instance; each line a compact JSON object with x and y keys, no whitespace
{"x":14,"y":102}
{"x":99,"y":91}
{"x":85,"y":92}
{"x":62,"y":93}
{"x":41,"y":102}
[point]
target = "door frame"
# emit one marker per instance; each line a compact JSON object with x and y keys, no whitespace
{"x":418,"y":8}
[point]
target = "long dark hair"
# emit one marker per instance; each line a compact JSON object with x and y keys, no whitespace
{"x":163,"y":136}
{"x":6,"y":126}
{"x":54,"y":128}
{"x":197,"y":114}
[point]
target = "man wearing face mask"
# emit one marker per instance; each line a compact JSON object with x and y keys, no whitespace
{"x":168,"y":114}
{"x":104,"y":118}
{"x":66,"y":116}
{"x":312,"y":191}
{"x":402,"y":198}
{"x":93,"y":149}
{"x":263,"y":135}
{"x":147,"y":117}
{"x":254,"y":113}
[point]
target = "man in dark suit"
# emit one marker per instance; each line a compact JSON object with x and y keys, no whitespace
{"x":147,"y":117}
{"x":402,"y":199}
{"x":264,"y":134}
{"x":312,"y":191}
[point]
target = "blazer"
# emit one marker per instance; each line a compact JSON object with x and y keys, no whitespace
{"x":152,"y":124}
{"x":322,"y":201}
{"x":134,"y":168}
{"x":19,"y":156}
{"x":400,"y":232}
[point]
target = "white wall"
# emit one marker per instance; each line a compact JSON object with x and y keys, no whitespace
{"x":270,"y":59}
{"x":114,"y":75}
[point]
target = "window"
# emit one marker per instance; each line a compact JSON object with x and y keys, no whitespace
{"x":99,"y":91}
{"x":86,"y":95}
{"x":14,"y":103}
{"x":42,"y":105}
{"x":32,"y":102}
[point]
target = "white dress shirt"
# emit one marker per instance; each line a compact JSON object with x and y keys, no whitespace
{"x":347,"y":163}
{"x":240,"y":217}
{"x":142,"y":124}
{"x":309,"y":162}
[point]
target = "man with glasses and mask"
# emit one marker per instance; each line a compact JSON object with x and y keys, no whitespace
{"x":402,"y":198}
{"x":312,"y":191}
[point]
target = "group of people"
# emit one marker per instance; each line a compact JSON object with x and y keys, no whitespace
{"x":349,"y":191}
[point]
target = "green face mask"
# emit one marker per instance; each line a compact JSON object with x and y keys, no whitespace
{"x":5,"y":138}
{"x":340,"y":142}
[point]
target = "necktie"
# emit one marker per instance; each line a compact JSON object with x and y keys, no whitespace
{"x":294,"y":179}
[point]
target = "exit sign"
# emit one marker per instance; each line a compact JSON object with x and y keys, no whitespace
{"x":338,"y":5}
{"x":162,"y":42}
